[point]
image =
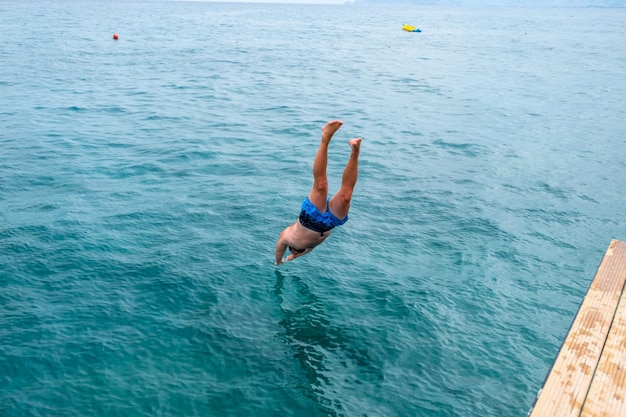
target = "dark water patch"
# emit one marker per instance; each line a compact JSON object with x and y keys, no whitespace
{"x":415,"y":85}
{"x":552,"y":240}
{"x":465,"y":149}
{"x":315,"y":343}
{"x":162,"y":118}
{"x":551,"y":216}
{"x":77,"y":109}
{"x":136,"y":170}
{"x":553,"y":191}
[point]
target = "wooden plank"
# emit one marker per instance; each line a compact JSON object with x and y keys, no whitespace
{"x":608,"y":389}
{"x":567,"y":385}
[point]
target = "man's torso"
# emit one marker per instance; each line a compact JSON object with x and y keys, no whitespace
{"x":299,"y":237}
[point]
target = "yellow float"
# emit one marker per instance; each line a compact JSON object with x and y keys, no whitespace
{"x":410,"y":28}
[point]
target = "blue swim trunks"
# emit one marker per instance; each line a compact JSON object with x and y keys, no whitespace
{"x":312,"y":218}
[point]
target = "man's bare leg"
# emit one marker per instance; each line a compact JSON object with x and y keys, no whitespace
{"x":319,"y":192}
{"x":340,"y":203}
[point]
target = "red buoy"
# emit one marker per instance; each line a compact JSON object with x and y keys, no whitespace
{"x":115,"y":36}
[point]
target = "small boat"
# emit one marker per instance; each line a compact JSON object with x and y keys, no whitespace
{"x":410,"y":28}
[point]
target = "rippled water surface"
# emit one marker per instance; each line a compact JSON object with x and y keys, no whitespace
{"x":144,"y":181}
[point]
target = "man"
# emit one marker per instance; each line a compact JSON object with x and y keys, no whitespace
{"x":319,"y":213}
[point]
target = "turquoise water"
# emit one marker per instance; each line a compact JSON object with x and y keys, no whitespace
{"x":143,"y":183}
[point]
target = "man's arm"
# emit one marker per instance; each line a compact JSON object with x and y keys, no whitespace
{"x":281,"y":247}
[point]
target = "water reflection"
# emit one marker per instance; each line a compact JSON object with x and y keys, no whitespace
{"x":332,"y":366}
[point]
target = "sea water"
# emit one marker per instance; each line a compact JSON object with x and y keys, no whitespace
{"x":144,"y":181}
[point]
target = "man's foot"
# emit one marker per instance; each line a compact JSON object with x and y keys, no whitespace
{"x":355,"y":144}
{"x":329,"y":130}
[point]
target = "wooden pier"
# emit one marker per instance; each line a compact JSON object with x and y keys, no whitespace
{"x":588,"y":378}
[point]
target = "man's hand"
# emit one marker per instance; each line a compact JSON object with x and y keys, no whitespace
{"x":281,"y":247}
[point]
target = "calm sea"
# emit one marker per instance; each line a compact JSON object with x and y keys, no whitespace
{"x":144,"y":181}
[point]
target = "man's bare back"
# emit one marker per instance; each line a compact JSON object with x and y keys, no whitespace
{"x":319,"y":214}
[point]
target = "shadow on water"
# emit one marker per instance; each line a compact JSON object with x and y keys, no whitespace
{"x":321,"y":348}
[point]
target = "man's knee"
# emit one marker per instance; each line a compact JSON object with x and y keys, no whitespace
{"x":343,"y":198}
{"x":346,"y":195}
{"x":321,"y":186}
